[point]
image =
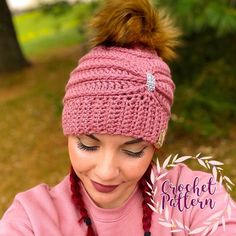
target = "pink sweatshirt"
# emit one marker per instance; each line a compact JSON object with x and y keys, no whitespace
{"x":44,"y":211}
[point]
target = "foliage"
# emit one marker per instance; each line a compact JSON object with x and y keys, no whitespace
{"x":205,"y":79}
{"x":196,"y":16}
{"x":205,"y":72}
{"x":56,"y":9}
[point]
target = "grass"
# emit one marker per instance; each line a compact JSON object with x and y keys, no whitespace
{"x":33,"y":148}
{"x":39,"y":31}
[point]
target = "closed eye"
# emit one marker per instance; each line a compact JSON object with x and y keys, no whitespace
{"x":94,"y":148}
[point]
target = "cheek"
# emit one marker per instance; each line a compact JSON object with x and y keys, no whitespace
{"x":79,"y":159}
{"x":135,"y":169}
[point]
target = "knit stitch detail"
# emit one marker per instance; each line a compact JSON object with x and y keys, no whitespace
{"x":117,"y":90}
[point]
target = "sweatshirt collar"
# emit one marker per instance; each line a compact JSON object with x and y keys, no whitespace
{"x":114,"y":214}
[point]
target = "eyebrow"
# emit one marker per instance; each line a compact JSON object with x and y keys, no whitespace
{"x":138,"y":140}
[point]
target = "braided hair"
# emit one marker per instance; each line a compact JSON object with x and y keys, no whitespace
{"x":147,"y":211}
{"x":79,"y":203}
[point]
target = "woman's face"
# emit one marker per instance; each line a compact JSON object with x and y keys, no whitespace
{"x":109,"y":166}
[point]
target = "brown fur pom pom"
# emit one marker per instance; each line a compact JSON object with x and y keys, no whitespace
{"x":128,"y":23}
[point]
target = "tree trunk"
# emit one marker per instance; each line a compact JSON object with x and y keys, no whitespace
{"x":11,"y":56}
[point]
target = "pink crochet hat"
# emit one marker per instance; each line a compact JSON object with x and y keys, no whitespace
{"x":118,"y":90}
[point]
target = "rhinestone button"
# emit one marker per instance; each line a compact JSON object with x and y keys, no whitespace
{"x":150,"y":82}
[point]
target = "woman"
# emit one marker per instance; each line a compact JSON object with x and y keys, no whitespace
{"x":116,"y":111}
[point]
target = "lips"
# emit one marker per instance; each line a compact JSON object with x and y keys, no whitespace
{"x":104,"y":188}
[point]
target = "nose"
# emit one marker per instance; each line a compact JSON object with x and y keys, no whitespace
{"x":107,"y":168}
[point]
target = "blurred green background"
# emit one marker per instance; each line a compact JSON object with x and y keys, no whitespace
{"x":53,"y":38}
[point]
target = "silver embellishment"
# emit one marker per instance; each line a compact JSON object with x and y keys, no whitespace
{"x":150,"y":82}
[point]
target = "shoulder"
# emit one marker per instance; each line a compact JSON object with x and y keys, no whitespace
{"x":40,"y":202}
{"x":42,"y":194}
{"x":42,"y":210}
{"x":39,"y":211}
{"x":182,"y":172}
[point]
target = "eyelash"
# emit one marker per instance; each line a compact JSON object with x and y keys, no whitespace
{"x":131,"y":154}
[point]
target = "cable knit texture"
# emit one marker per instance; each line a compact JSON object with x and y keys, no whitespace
{"x":111,"y":91}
